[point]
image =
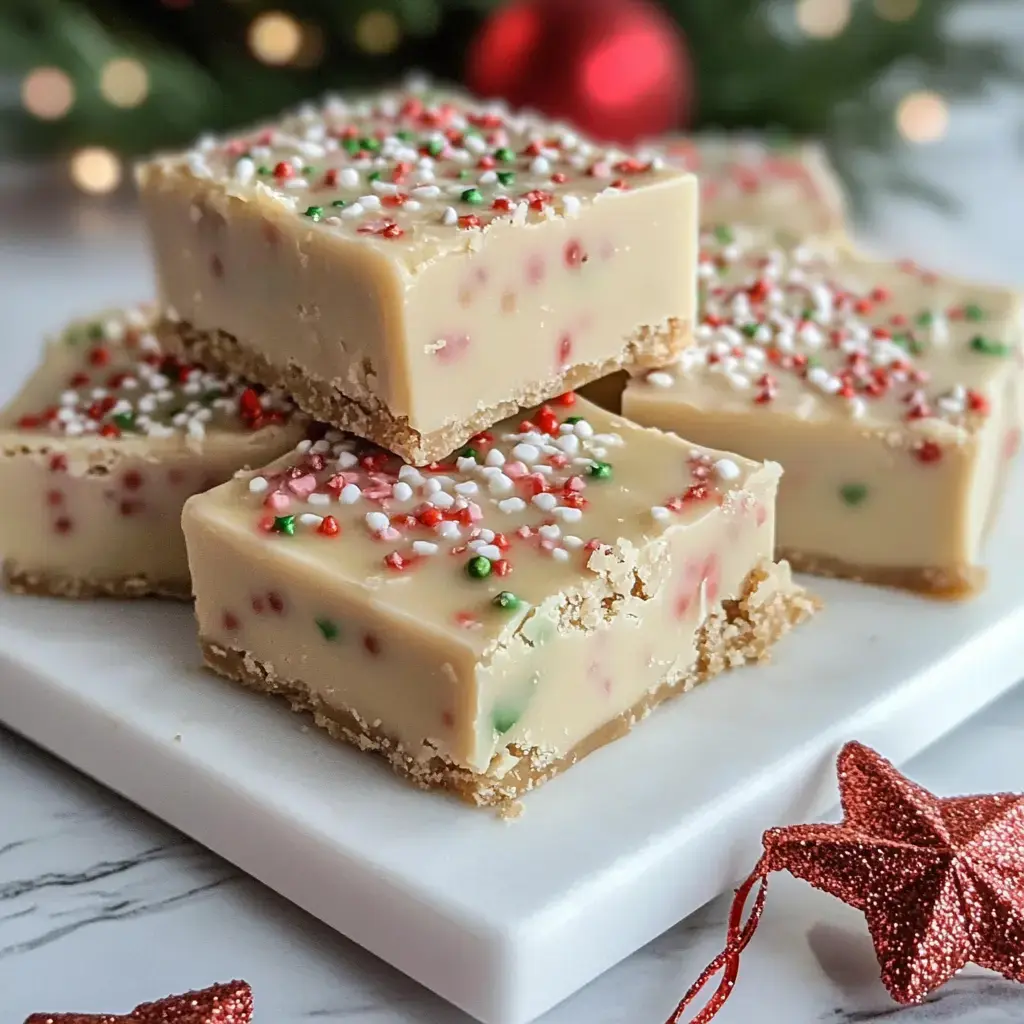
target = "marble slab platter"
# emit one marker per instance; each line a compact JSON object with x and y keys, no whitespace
{"x":505,"y":919}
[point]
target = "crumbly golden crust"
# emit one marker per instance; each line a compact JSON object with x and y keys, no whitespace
{"x":366,"y":417}
{"x":42,"y":584}
{"x":737,"y":632}
{"x":956,"y":584}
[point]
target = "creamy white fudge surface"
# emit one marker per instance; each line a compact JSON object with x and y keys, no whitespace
{"x":415,"y":266}
{"x":886,"y":392}
{"x":100,"y":449}
{"x":485,"y":621}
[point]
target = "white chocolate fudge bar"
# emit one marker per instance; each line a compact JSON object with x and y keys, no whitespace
{"x":748,"y":181}
{"x":102,"y":446}
{"x":485,"y":622}
{"x":886,"y":392}
{"x":413,"y":268}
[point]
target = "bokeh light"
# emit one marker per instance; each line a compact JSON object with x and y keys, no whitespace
{"x":47,"y":93}
{"x":823,"y":19}
{"x":922,"y":117}
{"x":378,"y":32}
{"x":275,"y":38}
{"x":124,"y":82}
{"x":897,"y":10}
{"x":96,"y":170}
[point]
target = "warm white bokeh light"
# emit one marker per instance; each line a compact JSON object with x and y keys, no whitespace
{"x":823,"y":19}
{"x":275,"y":38}
{"x":897,"y":10}
{"x":96,"y":170}
{"x":124,"y":82}
{"x":922,"y":117}
{"x":47,"y":93}
{"x":378,"y":32}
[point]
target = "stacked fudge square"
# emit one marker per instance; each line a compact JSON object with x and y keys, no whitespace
{"x":375,"y":317}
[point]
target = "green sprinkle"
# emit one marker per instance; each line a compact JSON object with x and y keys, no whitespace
{"x":263,"y":169}
{"x":724,"y":234}
{"x":308,"y":171}
{"x":573,"y":419}
{"x":506,"y":177}
{"x":472,"y":195}
{"x":972,"y":311}
{"x":925,"y":319}
{"x":94,"y":332}
{"x":125,"y":420}
{"x":370,"y":144}
{"x":314,"y":212}
{"x":329,"y":628}
{"x":505,"y":155}
{"x":351,"y":146}
{"x":600,"y":470}
{"x":506,"y":600}
{"x":435,"y":147}
{"x":405,"y":135}
{"x":503,"y":719}
{"x":373,"y":176}
{"x":989,"y":346}
{"x":478,"y":567}
{"x":469,"y":452}
{"x":908,"y":343}
{"x":337,"y":202}
{"x":285,"y":524}
{"x":853,"y":494}
{"x":813,"y":361}
{"x":749,"y":329}
{"x":465,"y":173}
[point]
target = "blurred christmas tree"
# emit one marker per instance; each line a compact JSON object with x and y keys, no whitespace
{"x":109,"y":79}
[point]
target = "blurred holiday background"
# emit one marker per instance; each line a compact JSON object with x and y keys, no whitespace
{"x":92,"y":84}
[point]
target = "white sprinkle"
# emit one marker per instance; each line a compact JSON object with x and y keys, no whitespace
{"x":320,"y":447}
{"x":431,"y":487}
{"x":384,"y":188}
{"x":726,"y":469}
{"x":568,"y":443}
{"x":401,"y":491}
{"x":369,"y":202}
{"x":493,"y":458}
{"x":659,"y":512}
{"x":570,"y":206}
{"x":490,"y":551}
{"x":449,"y":217}
{"x":377,"y":522}
{"x":245,"y":171}
{"x":443,"y":500}
{"x":544,"y":501}
{"x":310,"y":519}
{"x":349,"y":177}
{"x":346,"y":460}
{"x":510,"y":505}
{"x":499,"y":483}
{"x":571,"y":541}
{"x":527,"y":453}
{"x":318,"y":498}
{"x":449,"y":530}
{"x":559,"y":554}
{"x":426,"y":192}
{"x":549,"y":531}
{"x":350,"y":494}
{"x":353,"y":211}
{"x":196,"y":429}
{"x":660,"y":379}
{"x":411,"y":475}
{"x":567,"y":514}
{"x":424,"y":547}
{"x":467,"y":487}
{"x":465,"y":464}
{"x":584,"y":429}
{"x":258,"y":484}
{"x":540,"y":165}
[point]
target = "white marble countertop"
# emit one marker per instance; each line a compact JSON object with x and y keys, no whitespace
{"x":101,"y":907}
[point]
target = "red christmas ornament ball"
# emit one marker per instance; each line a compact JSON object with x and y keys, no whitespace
{"x":618,"y":69}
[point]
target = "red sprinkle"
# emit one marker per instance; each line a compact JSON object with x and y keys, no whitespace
{"x":575,"y":257}
{"x":276,"y":602}
{"x":99,"y":356}
{"x":564,"y":352}
{"x":927,"y":451}
{"x":501,"y":567}
{"x":371,"y":643}
{"x":328,"y":527}
{"x":58,"y":464}
{"x":132,"y":480}
{"x":230,"y":622}
{"x":62,"y":525}
{"x":568,"y":399}
{"x":54,"y":498}
{"x":284,"y":170}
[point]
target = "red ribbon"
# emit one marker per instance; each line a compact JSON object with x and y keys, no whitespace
{"x":728,"y":960}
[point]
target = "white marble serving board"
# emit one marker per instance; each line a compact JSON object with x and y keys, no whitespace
{"x":505,"y":919}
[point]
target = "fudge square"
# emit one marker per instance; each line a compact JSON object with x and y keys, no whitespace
{"x":102,"y":446}
{"x":485,"y":622}
{"x":747,"y":180}
{"x":413,"y":268}
{"x":885,"y":391}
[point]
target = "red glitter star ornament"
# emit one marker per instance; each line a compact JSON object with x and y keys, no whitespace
{"x":230,"y":1003}
{"x":940,"y":881}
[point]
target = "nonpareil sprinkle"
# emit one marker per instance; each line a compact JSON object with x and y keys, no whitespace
{"x":478,"y":567}
{"x":506,"y":600}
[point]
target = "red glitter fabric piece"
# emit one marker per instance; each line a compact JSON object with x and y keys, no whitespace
{"x":940,"y":880}
{"x":230,"y":1003}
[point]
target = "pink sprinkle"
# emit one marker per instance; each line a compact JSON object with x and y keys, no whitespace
{"x":575,"y":483}
{"x":514,"y":470}
{"x":390,"y":534}
{"x":277,"y":501}
{"x":303,"y":486}
{"x":564,"y":351}
{"x":524,"y":532}
{"x":535,"y":270}
{"x":475,"y":513}
{"x":453,"y":349}
{"x":467,"y":620}
{"x":558,"y":461}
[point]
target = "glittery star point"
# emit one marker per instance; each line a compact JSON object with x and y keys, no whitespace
{"x":230,"y":1003}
